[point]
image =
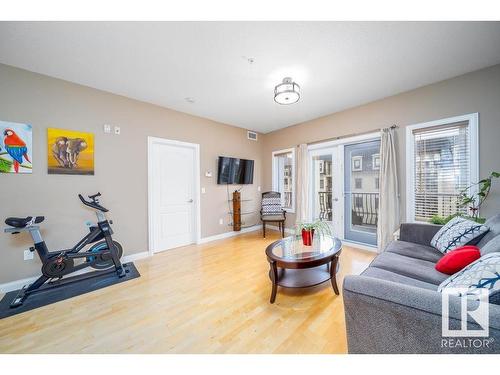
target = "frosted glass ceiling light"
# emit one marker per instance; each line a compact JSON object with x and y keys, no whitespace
{"x":287,"y":92}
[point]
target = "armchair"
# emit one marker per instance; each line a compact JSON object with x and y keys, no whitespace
{"x":272,"y":212}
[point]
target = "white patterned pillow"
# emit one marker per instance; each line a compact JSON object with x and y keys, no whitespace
{"x":456,"y":233}
{"x":271,"y":206}
{"x":483,"y":273}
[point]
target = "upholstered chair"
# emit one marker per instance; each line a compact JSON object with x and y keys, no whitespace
{"x":272,"y":211}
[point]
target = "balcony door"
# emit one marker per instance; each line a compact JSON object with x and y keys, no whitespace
{"x":361,"y":191}
{"x":325,"y":187}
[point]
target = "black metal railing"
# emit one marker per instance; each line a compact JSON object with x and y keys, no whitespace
{"x":364,"y":208}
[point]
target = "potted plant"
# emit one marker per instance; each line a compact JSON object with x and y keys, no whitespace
{"x":307,"y":229}
{"x":471,"y":202}
{"x":474,"y":202}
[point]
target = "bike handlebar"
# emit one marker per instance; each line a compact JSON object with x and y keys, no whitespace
{"x":94,"y":204}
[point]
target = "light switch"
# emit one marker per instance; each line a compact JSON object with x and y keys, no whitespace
{"x":258,"y":188}
{"x":203,"y":190}
{"x":221,"y":221}
{"x":107,"y":128}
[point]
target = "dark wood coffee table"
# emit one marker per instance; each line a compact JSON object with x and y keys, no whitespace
{"x":294,"y":265}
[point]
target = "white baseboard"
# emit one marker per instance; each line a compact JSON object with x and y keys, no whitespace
{"x":228,"y":234}
{"x":18,"y":284}
{"x":135,"y":256}
{"x":361,"y":246}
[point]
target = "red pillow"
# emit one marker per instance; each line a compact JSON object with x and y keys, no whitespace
{"x":457,"y":259}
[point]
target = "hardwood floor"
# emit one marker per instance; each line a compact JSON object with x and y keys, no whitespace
{"x":210,"y":298}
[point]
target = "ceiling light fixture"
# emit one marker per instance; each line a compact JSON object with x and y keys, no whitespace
{"x":287,"y":92}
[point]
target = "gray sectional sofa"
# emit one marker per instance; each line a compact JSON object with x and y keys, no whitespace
{"x":394,"y":305}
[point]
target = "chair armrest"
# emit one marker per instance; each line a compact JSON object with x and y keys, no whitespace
{"x":388,"y":317}
{"x":418,"y":233}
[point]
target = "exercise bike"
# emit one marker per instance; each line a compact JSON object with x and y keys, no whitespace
{"x":104,"y":254}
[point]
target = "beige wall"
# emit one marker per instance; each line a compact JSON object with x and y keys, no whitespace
{"x":120,"y":164}
{"x":121,"y":161}
{"x":474,"y":92}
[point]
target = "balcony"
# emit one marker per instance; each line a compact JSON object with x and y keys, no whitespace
{"x":364,"y":208}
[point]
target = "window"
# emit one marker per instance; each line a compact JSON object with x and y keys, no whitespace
{"x":441,"y":161}
{"x":376,"y":162}
{"x":284,"y":177}
{"x":358,"y":183}
{"x":357,"y":163}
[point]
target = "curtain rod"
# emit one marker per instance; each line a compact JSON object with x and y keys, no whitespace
{"x":348,"y":136}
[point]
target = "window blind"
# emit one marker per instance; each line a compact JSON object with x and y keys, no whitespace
{"x":441,"y":167}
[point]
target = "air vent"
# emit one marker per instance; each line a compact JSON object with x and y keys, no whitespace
{"x":251,"y":135}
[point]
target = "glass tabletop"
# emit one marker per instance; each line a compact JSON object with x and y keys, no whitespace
{"x":292,"y":248}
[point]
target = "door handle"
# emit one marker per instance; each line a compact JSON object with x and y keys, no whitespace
{"x":190,"y":201}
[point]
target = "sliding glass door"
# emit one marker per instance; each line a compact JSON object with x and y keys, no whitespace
{"x":361,"y":191}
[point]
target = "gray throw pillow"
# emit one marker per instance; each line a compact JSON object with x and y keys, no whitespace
{"x":456,"y":233}
{"x":484,"y":273}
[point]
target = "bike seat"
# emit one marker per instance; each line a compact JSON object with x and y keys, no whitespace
{"x":21,"y":222}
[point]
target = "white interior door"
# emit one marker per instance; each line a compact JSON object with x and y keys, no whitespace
{"x":173,"y":201}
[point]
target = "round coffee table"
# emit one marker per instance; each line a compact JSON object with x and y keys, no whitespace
{"x":294,"y":265}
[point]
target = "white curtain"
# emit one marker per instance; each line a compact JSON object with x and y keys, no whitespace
{"x":302,"y":184}
{"x":388,"y":212}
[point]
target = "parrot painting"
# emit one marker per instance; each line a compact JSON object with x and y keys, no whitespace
{"x":16,"y":148}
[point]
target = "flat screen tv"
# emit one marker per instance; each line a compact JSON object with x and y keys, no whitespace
{"x":234,"y":171}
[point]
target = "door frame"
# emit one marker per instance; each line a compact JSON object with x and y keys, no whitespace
{"x":196,"y":198}
{"x":339,"y":145}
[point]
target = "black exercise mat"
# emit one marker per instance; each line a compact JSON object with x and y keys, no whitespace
{"x":67,"y":288}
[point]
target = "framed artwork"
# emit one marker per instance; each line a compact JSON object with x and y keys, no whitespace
{"x":70,"y":152}
{"x":16,"y":147}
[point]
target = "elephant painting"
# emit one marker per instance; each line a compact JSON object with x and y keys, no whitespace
{"x":67,"y":150}
{"x":70,"y":152}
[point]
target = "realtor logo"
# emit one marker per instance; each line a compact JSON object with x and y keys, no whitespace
{"x":477,"y":310}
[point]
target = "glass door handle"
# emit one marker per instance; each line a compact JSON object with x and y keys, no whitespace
{"x":190,"y":201}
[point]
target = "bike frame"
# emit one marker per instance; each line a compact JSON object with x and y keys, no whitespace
{"x":97,"y":232}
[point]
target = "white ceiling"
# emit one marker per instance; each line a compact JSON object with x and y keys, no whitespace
{"x":337,"y":64}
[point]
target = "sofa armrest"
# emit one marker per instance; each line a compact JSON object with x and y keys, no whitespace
{"x":418,"y":233}
{"x":387,"y":317}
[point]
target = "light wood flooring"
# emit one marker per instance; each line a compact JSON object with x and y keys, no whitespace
{"x":210,"y":298}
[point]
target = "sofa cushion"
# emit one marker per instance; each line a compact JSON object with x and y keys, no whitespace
{"x":456,"y":233}
{"x":484,"y":273}
{"x":419,"y":269}
{"x":379,"y":273}
{"x":494,"y":224}
{"x":492,"y":246}
{"x":414,"y":250}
